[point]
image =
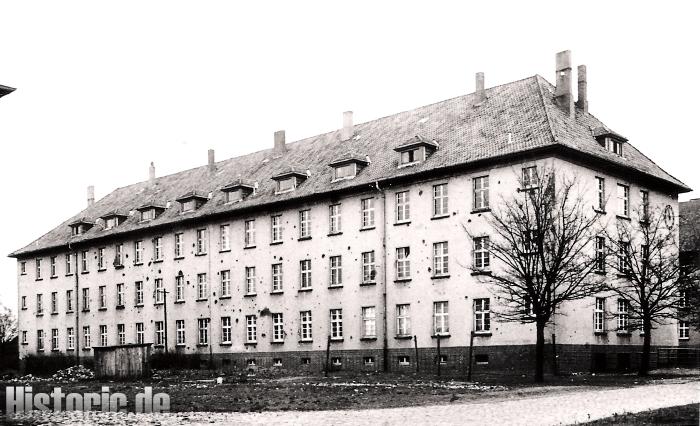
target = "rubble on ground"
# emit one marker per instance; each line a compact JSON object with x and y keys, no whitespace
{"x":73,"y":374}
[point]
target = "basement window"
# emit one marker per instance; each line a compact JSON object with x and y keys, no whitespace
{"x":277,"y":362}
{"x":481,"y":359}
{"x":404,"y":360}
{"x":368,"y":360}
{"x":306,"y":361}
{"x":337,"y":362}
{"x":251,"y":362}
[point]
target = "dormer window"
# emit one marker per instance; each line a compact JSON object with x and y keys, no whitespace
{"x":80,"y":227}
{"x":614,"y":146}
{"x":415,"y":151}
{"x":149,"y":212}
{"x":289,"y":181}
{"x":191,"y":201}
{"x":238,"y":191}
{"x":112,"y":220}
{"x":347,"y":168}
{"x":609,"y":140}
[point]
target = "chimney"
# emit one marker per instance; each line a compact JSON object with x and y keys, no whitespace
{"x":562,"y":93}
{"x":348,"y":130}
{"x":152,"y":173}
{"x":480,"y":93}
{"x":212,"y":165}
{"x":90,"y":195}
{"x":280,"y":146}
{"x":582,"y":101}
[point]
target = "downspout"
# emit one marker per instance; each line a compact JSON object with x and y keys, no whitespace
{"x":210,"y":284}
{"x":384,"y":285}
{"x":76,"y":308}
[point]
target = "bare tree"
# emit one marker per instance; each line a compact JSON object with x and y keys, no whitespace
{"x":8,"y":325}
{"x":542,"y":236}
{"x":642,"y":252}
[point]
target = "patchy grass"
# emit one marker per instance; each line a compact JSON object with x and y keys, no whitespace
{"x":680,"y":415}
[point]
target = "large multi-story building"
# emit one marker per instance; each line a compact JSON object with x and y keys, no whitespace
{"x":689,"y":222}
{"x":356,"y":239}
{"x":5,"y":90}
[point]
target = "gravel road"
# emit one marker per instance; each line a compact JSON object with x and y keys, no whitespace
{"x":567,"y":408}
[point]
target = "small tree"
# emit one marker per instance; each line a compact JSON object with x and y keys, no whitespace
{"x":542,"y":235}
{"x":8,"y":325}
{"x":643,"y":255}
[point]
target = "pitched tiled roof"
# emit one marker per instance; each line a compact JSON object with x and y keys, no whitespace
{"x":689,"y":225}
{"x":465,"y":134}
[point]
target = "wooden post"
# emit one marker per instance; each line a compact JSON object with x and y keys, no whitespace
{"x":555,"y":369}
{"x":471,"y":349}
{"x":438,"y":355}
{"x":328,"y":356}
{"x":415,"y":344}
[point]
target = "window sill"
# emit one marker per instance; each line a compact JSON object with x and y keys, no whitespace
{"x":119,"y":307}
{"x":40,"y":350}
{"x":118,"y":266}
{"x":476,"y":273}
{"x":85,"y":310}
{"x":24,"y":343}
{"x":101,"y":309}
{"x":225,"y":344}
{"x":303,"y":238}
{"x":442,"y":216}
{"x":440,"y":336}
{"x":599,"y":211}
{"x":87,"y":349}
{"x":481,"y":210}
{"x":250,"y":294}
{"x":250,"y":343}
{"x":71,"y":274}
{"x":600,"y":333}
{"x":228,"y":296}
{"x":178,"y":257}
{"x":482,"y":333}
{"x":200,"y":254}
{"x":53,"y":277}
{"x":403,"y":337}
{"x":277,"y":292}
{"x":101,"y":269}
{"x":335,"y":286}
{"x":624,"y":333}
{"x":368,"y":283}
{"x":277,"y":342}
{"x":369,"y":228}
{"x":439,"y":277}
{"x":84,"y":272}
{"x":225,"y":251}
{"x":54,"y":313}
{"x":161,"y":303}
{"x":138,"y":263}
{"x":179,"y":301}
{"x":306,"y":341}
{"x":180,"y":345}
{"x":196,"y":300}
{"x":622,"y":217}
{"x":24,"y":309}
{"x":332,"y":234}
{"x":138,"y":305}
{"x":402,"y":280}
{"x":70,"y":349}
{"x":54,"y":350}
{"x":368,"y":339}
{"x":201,"y":345}
{"x":405,"y":222}
{"x":70,"y":312}
{"x":38,"y":279}
{"x":304,"y":289}
{"x":276,"y":243}
{"x":683,"y":338}
{"x":249,"y":247}
{"x":337,"y":339}
{"x":411,"y":164}
{"x":158,"y":261}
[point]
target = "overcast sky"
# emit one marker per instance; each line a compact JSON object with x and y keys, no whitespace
{"x":104,"y":88}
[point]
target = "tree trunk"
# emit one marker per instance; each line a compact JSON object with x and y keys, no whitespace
{"x":646,"y":349}
{"x":539,"y":353}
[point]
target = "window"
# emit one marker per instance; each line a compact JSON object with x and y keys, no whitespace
{"x":54,"y":302}
{"x":277,"y":327}
{"x":138,"y":252}
{"x":404,"y":360}
{"x":403,"y":263}
{"x":225,"y":330}
{"x":224,"y":238}
{"x":305,"y":326}
{"x":119,"y":255}
{"x":103,"y":335}
{"x":39,"y":305}
{"x":683,"y":299}
{"x":305,"y":224}
{"x":403,"y":208}
{"x":600,"y":184}
{"x":120,"y":294}
{"x":24,"y":337}
{"x":148,"y":214}
{"x":69,"y":301}
{"x":69,"y":264}
{"x":103,"y":297}
{"x":40,"y":340}
{"x":599,"y":315}
{"x":160,"y":290}
{"x":403,"y":320}
{"x":86,"y":337}
{"x":201,"y":241}
{"x":481,"y":192}
{"x":482,"y":258}
{"x":368,"y":271}
{"x":443,"y":359}
{"x":100,"y":258}
{"x":84,"y":261}
{"x":622,"y":257}
{"x":202,"y":286}
{"x":86,"y":299}
{"x":276,"y":277}
{"x":276,"y":228}
{"x":530,"y":179}
{"x":336,"y":269}
{"x":54,"y":339}
{"x":623,"y":200}
{"x":336,"y":324}
{"x":369,"y":322}
{"x":179,"y":244}
{"x":140,"y":333}
{"x":305,"y":270}
{"x":683,"y":330}
{"x":180,"y":288}
{"x":367,"y":208}
{"x":613,"y":146}
{"x":158,"y":248}
{"x":440,"y":200}
{"x":644,"y":195}
{"x":284,"y":185}
{"x":189,"y":205}
{"x":347,"y":171}
{"x":250,"y":280}
{"x":441,"y":324}
{"x":160,"y":333}
{"x":121,"y":334}
{"x":23,"y":268}
{"x":38,"y":269}
{"x":334,"y":219}
{"x":53,"y":266}
{"x":410,"y":156}
{"x":225,"y":290}
{"x":251,"y":329}
{"x":24,"y":302}
{"x":482,"y":315}
{"x":623,"y":316}
{"x":70,"y":338}
{"x":440,"y":259}
{"x":180,"y":332}
{"x":368,"y":361}
{"x":481,"y":359}
{"x":600,"y":254}
{"x":138,"y":292}
{"x":250,"y":233}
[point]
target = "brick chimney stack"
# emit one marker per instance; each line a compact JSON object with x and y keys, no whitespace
{"x":90,"y":195}
{"x":562,"y":93}
{"x":348,"y":128}
{"x":212,"y":164}
{"x":582,"y":102}
{"x":280,"y":143}
{"x":480,"y":89}
{"x":152,"y":173}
